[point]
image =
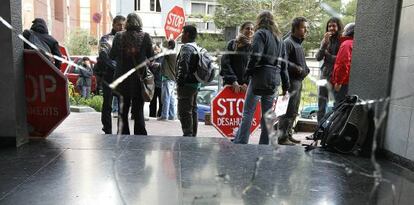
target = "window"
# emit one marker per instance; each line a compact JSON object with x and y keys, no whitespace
{"x":211,"y":9}
{"x":137,"y":5}
{"x":85,"y":14}
{"x":59,"y":10}
{"x":198,"y":8}
{"x":211,"y":26}
{"x":155,"y":5}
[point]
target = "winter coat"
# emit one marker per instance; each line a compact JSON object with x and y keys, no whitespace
{"x":126,"y":59}
{"x":105,"y":66}
{"x":342,"y":68}
{"x":233,"y":66}
{"x":328,"y":53}
{"x":264,"y":66}
{"x":297,"y":67}
{"x":85,"y":77}
{"x":40,"y":28}
{"x":187,"y":61}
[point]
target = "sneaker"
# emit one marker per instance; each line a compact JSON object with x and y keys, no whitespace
{"x":115,"y":115}
{"x":161,"y":119}
{"x":146,"y":118}
{"x":285,"y":142}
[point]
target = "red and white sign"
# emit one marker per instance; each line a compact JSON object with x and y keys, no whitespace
{"x":65,"y":55}
{"x":227,"y":112}
{"x":46,"y":94}
{"x":174,"y":23}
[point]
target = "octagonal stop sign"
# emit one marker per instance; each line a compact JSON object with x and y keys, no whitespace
{"x":46,"y":94}
{"x":174,"y":23}
{"x":227,"y":112}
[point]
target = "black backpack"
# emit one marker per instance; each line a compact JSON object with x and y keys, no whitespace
{"x":205,"y":69}
{"x":348,"y":129}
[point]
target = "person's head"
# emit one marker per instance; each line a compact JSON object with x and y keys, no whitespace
{"x":133,"y":22}
{"x":349,"y":30}
{"x":247,"y":29}
{"x":118,"y":23}
{"x":189,"y":34}
{"x":86,"y":61}
{"x":299,"y":27}
{"x":266,"y":20}
{"x":39,"y":25}
{"x":171,"y":44}
{"x":156,"y":48}
{"x":334,"y":25}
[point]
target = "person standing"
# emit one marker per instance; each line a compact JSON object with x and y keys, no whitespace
{"x":187,"y":84}
{"x":233,"y":66}
{"x":40,"y":30}
{"x":84,"y":81}
{"x":105,"y":71}
{"x":155,"y":67}
{"x":342,"y":68}
{"x":168,"y":73}
{"x":265,"y":71}
{"x":327,"y":52}
{"x":298,"y":70}
{"x":131,"y":48}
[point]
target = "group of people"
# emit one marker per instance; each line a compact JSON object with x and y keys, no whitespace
{"x":264,"y":61}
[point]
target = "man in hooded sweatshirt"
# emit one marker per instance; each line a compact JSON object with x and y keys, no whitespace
{"x":39,"y":28}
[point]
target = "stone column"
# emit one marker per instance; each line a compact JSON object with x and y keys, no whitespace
{"x":13,"y":128}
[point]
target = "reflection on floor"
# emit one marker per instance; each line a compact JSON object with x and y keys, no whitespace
{"x":106,"y":169}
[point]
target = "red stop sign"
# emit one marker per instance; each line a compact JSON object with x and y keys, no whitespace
{"x":46,"y":94}
{"x":227,"y":111}
{"x":174,"y":23}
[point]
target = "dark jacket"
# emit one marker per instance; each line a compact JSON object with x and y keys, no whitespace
{"x":327,"y":53}
{"x":297,"y":67}
{"x":85,"y":76}
{"x":155,"y":68}
{"x":263,"y":60}
{"x":187,"y":61}
{"x":168,"y":67}
{"x":105,"y":65}
{"x":233,"y":67}
{"x":39,"y":26}
{"x":128,"y":59}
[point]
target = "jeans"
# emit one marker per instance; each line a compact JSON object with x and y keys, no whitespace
{"x":323,"y":100}
{"x":187,"y":110}
{"x":115,"y":104}
{"x":137,"y":105}
{"x":285,"y":125}
{"x":85,"y":91}
{"x":243,"y":133}
{"x":340,"y":95}
{"x":106,"y":117}
{"x":168,"y":100}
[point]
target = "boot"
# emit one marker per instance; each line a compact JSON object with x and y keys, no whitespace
{"x":293,"y":140}
{"x":285,"y":141}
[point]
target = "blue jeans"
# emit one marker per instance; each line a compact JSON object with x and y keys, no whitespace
{"x":243,"y":133}
{"x":168,"y":100}
{"x":115,"y":105}
{"x":85,"y":91}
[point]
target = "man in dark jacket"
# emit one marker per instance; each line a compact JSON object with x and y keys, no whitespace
{"x":155,"y":67}
{"x":105,"y":70}
{"x":39,"y":28}
{"x":187,"y":84}
{"x":298,"y":70}
{"x":327,"y":52}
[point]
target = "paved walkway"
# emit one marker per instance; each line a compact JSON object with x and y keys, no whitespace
{"x":90,"y":123}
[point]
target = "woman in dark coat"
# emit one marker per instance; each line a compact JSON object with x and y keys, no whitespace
{"x":130,"y":48}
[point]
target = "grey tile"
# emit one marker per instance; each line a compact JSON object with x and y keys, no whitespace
{"x":369,"y":6}
{"x":410,"y":144}
{"x":398,"y":126}
{"x":402,"y":83}
{"x":405,"y":37}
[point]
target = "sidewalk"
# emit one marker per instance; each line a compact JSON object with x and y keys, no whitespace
{"x":90,"y":123}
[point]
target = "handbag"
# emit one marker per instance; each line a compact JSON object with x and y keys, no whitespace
{"x":147,"y":84}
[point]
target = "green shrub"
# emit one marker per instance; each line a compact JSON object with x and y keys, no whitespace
{"x":75,"y":98}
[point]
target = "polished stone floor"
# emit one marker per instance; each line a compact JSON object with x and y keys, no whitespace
{"x":107,"y":169}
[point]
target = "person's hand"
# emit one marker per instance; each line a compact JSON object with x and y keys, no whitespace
{"x":326,"y":38}
{"x":243,"y":87}
{"x":235,"y":87}
{"x":337,"y":87}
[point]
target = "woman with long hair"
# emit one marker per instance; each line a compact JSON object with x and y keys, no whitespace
{"x":130,"y":48}
{"x":265,"y":72}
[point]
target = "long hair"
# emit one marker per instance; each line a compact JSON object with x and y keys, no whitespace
{"x":338,"y":23}
{"x":266,"y":20}
{"x":133,"y":36}
{"x":244,"y":25}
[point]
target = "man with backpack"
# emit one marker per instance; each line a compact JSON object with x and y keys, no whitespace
{"x":39,"y":36}
{"x":187,"y":84}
